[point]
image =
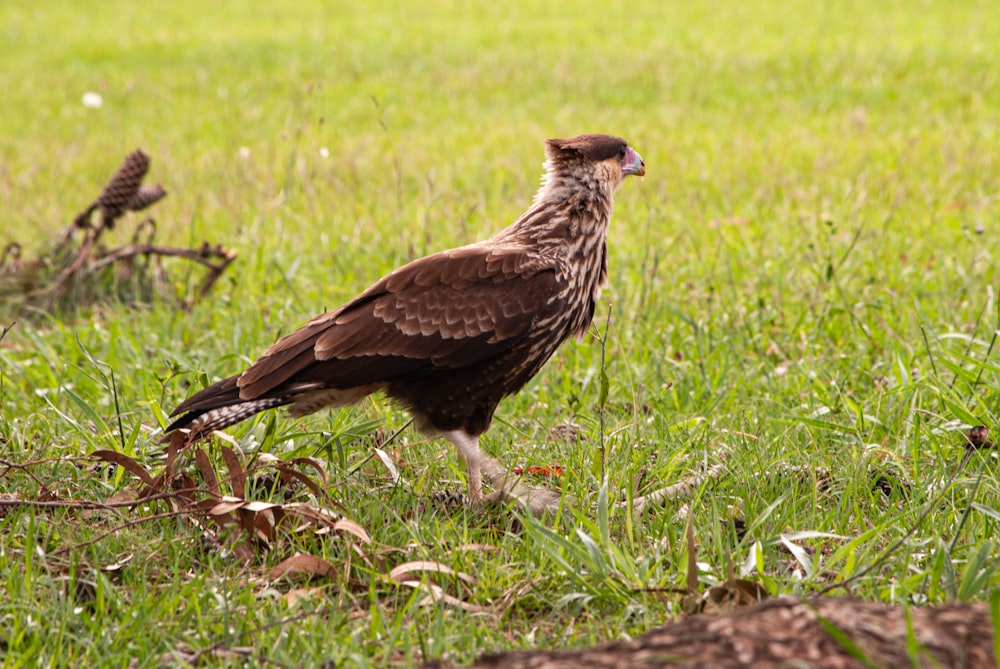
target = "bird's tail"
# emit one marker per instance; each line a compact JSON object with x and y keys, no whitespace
{"x":217,"y":407}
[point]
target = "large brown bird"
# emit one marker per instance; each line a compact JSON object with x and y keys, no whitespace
{"x":451,"y":334}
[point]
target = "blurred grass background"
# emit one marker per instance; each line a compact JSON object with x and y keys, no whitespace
{"x":805,"y":277}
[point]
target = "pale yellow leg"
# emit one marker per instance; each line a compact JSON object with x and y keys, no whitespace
{"x":508,"y":486}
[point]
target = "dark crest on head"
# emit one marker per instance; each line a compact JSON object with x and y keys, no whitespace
{"x":589,"y":147}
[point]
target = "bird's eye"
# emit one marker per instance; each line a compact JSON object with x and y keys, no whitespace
{"x":621,"y":151}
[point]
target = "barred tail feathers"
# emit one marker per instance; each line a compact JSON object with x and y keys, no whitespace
{"x":217,"y":407}
{"x":201,"y":424}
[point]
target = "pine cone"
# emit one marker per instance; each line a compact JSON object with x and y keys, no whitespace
{"x":123,"y":187}
{"x":145,"y":196}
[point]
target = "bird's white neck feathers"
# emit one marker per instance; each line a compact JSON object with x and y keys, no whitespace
{"x":564,"y":181}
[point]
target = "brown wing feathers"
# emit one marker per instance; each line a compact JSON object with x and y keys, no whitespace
{"x":444,"y":311}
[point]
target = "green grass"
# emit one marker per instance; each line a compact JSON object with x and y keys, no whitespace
{"x":805,"y":278}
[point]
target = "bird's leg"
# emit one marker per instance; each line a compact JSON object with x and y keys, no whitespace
{"x":537,"y":500}
{"x":468,"y":451}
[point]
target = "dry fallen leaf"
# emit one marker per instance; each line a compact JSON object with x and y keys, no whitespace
{"x":302,"y":564}
{"x":237,"y":472}
{"x":435,"y":594}
{"x":401,"y":572}
{"x":126,"y":463}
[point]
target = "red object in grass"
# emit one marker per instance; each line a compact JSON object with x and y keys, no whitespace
{"x":548,"y":471}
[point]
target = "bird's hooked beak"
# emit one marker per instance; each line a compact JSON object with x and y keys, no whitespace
{"x":633,"y":163}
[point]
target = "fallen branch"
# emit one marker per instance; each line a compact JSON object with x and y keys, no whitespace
{"x":822,"y":633}
{"x":203,"y":256}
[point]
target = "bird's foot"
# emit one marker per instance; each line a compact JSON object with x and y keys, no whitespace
{"x":506,"y":484}
{"x":538,"y":501}
{"x":509,"y":487}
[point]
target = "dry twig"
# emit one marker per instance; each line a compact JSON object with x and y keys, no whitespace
{"x":79,"y":270}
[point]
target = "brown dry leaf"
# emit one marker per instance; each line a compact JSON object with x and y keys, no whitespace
{"x":302,"y":564}
{"x":252,"y":520}
{"x":178,"y":442}
{"x":305,"y":480}
{"x":183,"y":483}
{"x":226,"y":437}
{"x":126,"y":463}
{"x":289,"y":472}
{"x":407,"y":569}
{"x":258,"y":507}
{"x":226,"y":506}
{"x":311,"y":516}
{"x":257,"y":519}
{"x":155,"y":487}
{"x":229,"y":504}
{"x":260,"y":520}
{"x":351,"y":527}
{"x":409,"y":575}
{"x":259,"y":524}
{"x":325,"y":519}
{"x":311,"y":462}
{"x":436,"y":594}
{"x":248,"y":523}
{"x":203,"y":505}
{"x":277,"y":515}
{"x":237,"y":472}
{"x":205,"y":467}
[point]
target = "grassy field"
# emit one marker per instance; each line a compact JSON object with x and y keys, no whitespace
{"x":803,"y":287}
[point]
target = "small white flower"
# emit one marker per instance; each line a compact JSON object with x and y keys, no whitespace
{"x":92,"y":100}
{"x":324,"y":152}
{"x":244,"y":152}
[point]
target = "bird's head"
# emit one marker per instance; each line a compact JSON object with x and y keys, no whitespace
{"x":609,"y":158}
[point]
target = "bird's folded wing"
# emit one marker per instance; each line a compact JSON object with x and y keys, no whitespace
{"x":447,"y":310}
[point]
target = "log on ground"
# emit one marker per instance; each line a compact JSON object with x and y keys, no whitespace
{"x":827,"y":633}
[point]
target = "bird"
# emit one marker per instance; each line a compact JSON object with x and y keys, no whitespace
{"x":449,"y":335}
